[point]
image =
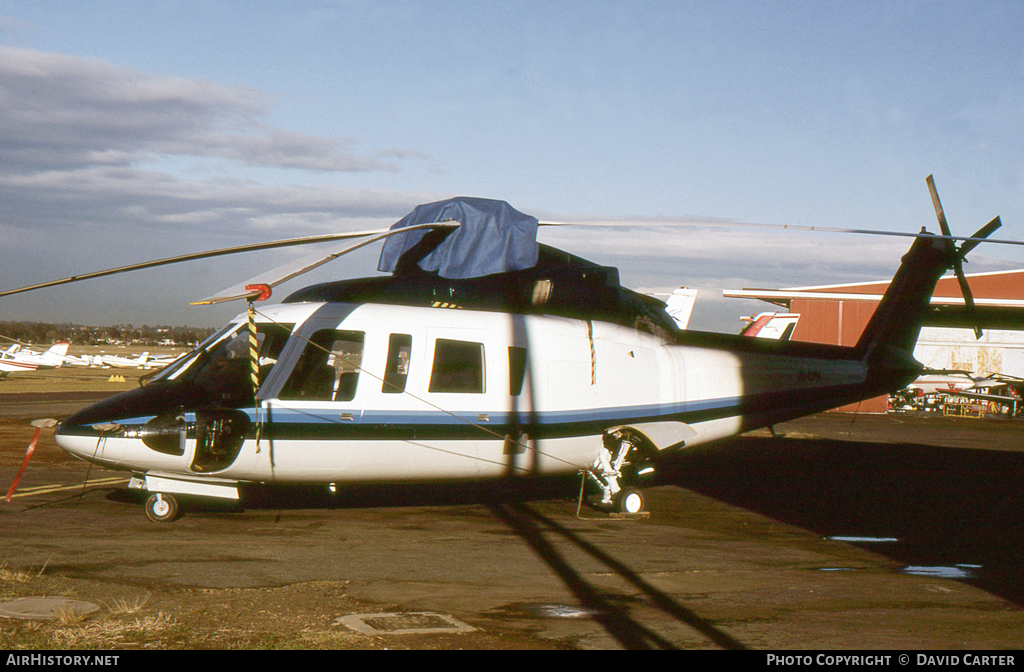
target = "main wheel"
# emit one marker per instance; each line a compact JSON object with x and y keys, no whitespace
{"x":629,"y":500}
{"x":161,"y":508}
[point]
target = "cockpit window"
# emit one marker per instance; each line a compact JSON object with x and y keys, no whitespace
{"x":222,"y":368}
{"x":176,"y":368}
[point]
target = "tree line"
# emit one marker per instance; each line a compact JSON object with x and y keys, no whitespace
{"x":43,"y":333}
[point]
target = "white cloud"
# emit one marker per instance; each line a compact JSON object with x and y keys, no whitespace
{"x":59,"y":111}
{"x":75,"y":134}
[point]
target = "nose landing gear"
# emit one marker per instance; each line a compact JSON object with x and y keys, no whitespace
{"x":162,"y":508}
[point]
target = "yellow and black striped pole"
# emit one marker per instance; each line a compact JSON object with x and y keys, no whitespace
{"x":254,"y":368}
{"x":254,"y":351}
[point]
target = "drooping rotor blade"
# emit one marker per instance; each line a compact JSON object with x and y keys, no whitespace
{"x":288,"y":242}
{"x":292,"y":269}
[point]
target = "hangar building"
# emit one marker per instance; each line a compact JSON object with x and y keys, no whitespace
{"x":837,"y":314}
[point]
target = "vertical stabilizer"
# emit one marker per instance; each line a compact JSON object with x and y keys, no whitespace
{"x":679,"y":305}
{"x":897,"y":321}
{"x":887,"y":344}
{"x":54,"y":357}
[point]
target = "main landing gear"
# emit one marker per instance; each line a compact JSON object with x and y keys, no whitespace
{"x":621,"y":463}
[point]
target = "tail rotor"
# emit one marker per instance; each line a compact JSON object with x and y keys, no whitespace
{"x":962,"y":250}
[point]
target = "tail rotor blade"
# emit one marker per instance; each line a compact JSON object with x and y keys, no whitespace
{"x":967,"y":246}
{"x":983,"y":232}
{"x":961,"y":252}
{"x":965,"y":291}
{"x":939,"y":213}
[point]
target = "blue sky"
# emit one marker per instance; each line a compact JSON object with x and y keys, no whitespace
{"x":131,"y":131}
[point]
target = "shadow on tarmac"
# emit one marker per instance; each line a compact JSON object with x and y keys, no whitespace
{"x":605,"y":607}
{"x":508,"y":501}
{"x":953,"y":512}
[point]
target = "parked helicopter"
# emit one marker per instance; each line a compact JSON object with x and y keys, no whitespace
{"x":482,"y":355}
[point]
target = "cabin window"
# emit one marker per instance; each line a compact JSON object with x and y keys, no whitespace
{"x":516,"y":370}
{"x":458,"y":366}
{"x":328,"y":369}
{"x":396,"y":371}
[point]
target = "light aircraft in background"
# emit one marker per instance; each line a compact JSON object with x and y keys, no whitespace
{"x":482,"y":355}
{"x":18,"y":360}
{"x":999,"y":389}
{"x":120,"y":362}
{"x":778,"y":326}
{"x":105,"y":361}
{"x":949,"y":382}
{"x":679,"y":305}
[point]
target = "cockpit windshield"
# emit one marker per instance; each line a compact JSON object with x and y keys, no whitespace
{"x":221,"y":366}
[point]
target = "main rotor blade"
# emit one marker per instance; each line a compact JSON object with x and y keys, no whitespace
{"x":788,"y":227}
{"x":287,"y":242}
{"x":292,"y":269}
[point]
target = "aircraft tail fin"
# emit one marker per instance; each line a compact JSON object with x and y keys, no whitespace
{"x":680,"y":305}
{"x":776,"y":326}
{"x":888,"y":341}
{"x":897,"y":320}
{"x":55,"y":355}
{"x":889,"y":338}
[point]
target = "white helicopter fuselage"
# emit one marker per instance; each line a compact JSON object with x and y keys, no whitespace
{"x":482,"y":394}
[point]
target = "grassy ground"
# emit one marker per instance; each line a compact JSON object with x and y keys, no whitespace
{"x":298,"y":616}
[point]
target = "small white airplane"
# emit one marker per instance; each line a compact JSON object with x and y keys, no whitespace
{"x":679,"y":305}
{"x":117,"y":361}
{"x":482,"y":355}
{"x":948,"y":383}
{"x":17,"y":360}
{"x":778,"y":326}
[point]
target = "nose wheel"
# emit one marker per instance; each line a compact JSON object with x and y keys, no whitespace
{"x":162,"y":508}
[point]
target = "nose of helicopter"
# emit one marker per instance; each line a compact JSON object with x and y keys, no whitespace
{"x":88,"y":433}
{"x":81,"y":441}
